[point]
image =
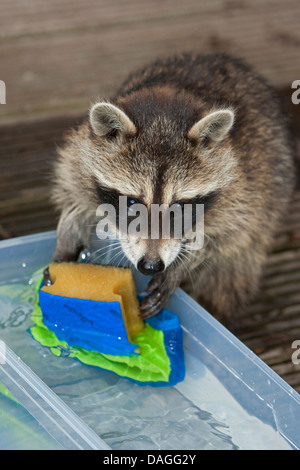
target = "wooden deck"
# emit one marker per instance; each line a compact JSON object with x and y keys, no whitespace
{"x":57,"y":57}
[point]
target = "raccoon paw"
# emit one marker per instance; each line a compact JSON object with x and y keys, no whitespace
{"x":157,"y":299}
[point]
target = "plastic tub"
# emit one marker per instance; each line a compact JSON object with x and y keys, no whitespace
{"x":229,"y":399}
{"x":62,"y":428}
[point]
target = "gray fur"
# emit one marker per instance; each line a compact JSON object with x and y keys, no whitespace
{"x":181,"y":127}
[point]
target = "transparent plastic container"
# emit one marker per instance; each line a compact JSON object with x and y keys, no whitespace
{"x":50,"y":425}
{"x":229,"y":399}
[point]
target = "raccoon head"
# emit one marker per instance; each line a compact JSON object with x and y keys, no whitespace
{"x":159,"y":150}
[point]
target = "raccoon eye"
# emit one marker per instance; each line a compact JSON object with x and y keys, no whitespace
{"x":131,"y":201}
{"x":107,"y":196}
{"x":181,"y":204}
{"x":208,"y":200}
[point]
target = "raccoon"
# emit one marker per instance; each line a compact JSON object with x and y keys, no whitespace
{"x":191,"y":128}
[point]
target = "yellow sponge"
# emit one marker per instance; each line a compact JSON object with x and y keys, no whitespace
{"x":102,"y":283}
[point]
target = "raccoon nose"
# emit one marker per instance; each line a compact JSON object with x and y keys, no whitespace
{"x":147,"y":267}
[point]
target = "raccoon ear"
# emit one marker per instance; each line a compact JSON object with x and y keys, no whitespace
{"x":212,"y":127}
{"x":106,"y":118}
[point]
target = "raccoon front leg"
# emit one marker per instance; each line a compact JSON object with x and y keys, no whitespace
{"x":72,"y":237}
{"x":72,"y":234}
{"x":161,"y":286}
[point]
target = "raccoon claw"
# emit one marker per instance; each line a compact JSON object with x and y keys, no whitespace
{"x":154,"y":283}
{"x":151,"y":305}
{"x":156,"y":300}
{"x":47,"y":278}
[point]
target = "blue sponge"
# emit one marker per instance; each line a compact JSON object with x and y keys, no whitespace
{"x":89,"y":324}
{"x":96,"y":335}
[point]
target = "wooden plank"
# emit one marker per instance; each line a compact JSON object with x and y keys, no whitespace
{"x":57,"y":57}
{"x":25,"y":163}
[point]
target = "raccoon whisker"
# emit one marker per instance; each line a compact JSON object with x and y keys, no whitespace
{"x":108,"y":248}
{"x":107,"y":251}
{"x":182,"y":256}
{"x":185,"y":249}
{"x":118,"y":253}
{"x":192,"y":274}
{"x":121,"y":261}
{"x":205,"y":262}
{"x":184,"y":260}
{"x":103,"y":251}
{"x":112,"y":246}
{"x":111,"y":260}
{"x":113,"y":243}
{"x":188,"y":271}
{"x":188,"y":254}
{"x":183,"y":252}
